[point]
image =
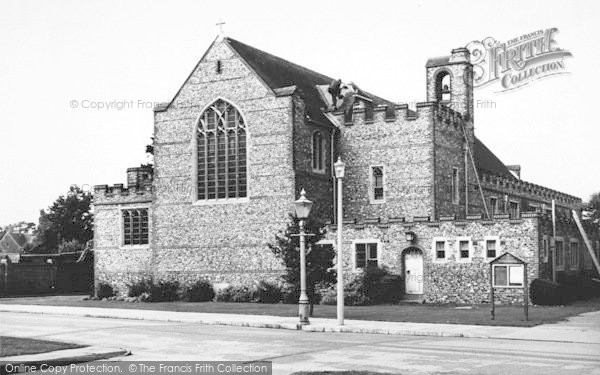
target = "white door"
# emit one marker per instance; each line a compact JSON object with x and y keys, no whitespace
{"x":413,"y":274}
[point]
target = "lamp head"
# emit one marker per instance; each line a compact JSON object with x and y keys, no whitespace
{"x":302,"y":206}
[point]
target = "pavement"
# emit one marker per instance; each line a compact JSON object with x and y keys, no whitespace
{"x":298,"y":350}
{"x":584,"y":328}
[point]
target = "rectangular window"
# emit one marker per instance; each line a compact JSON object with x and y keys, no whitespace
{"x":455,"y":186}
{"x":348,"y":115}
{"x":490,"y":248}
{"x":368,"y":112}
{"x":508,"y":275}
{"x":390,"y":113}
{"x":135,"y":226}
{"x":545,"y":249}
{"x":377,"y":183}
{"x":440,"y":249}
{"x":513,"y":209}
{"x":366,"y":254}
{"x":494,"y":205}
{"x":318,"y":152}
{"x":464,"y":249}
{"x":574,"y":261}
{"x":560,"y":260}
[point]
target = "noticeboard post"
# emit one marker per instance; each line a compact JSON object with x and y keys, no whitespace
{"x":509,"y":272}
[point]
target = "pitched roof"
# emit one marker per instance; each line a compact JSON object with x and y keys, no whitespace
{"x":278,"y":73}
{"x":437,"y":61}
{"x":20,"y":239}
{"x":488,"y":162}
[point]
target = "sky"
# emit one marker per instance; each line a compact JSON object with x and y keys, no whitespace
{"x":62,"y":60}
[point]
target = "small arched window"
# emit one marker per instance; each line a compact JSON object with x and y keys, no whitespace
{"x":442,"y":86}
{"x":318,"y":152}
{"x":221,"y":152}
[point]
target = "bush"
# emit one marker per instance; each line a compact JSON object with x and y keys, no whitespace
{"x":328,"y":295}
{"x":290,"y":294}
{"x":267,"y":292}
{"x":104,"y":290}
{"x":236,"y":293}
{"x":139,"y":287}
{"x":577,"y":287}
{"x":545,"y":292}
{"x":569,"y":288}
{"x":149,"y":291}
{"x":200,"y":291}
{"x":164,"y":291}
{"x":369,"y":287}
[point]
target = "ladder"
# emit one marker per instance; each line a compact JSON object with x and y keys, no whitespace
{"x":588,"y":244}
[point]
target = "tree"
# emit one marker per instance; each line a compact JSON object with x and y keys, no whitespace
{"x":319,"y":260}
{"x":67,"y":220}
{"x":23,"y":227}
{"x":592,"y":208}
{"x":149,"y":156}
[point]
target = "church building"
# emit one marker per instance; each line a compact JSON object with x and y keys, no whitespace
{"x":422,"y":195}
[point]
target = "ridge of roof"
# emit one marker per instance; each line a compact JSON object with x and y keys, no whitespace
{"x":278,"y":73}
{"x":258,"y":59}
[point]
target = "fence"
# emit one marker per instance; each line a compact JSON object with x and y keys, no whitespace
{"x":44,"y":278}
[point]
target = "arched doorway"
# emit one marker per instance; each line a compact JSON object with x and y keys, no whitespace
{"x":413,"y":270}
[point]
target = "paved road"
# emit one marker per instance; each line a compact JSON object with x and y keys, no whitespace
{"x":296,"y":350}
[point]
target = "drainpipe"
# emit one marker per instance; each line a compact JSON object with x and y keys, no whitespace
{"x":465,"y":151}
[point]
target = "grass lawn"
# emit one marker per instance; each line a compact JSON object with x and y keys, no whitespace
{"x":10,"y":346}
{"x":416,"y":313}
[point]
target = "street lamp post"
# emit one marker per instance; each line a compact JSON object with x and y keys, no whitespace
{"x":339,"y":175}
{"x":302,"y":207}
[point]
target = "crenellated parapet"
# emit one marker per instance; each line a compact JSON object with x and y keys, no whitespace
{"x":527,"y":189}
{"x":363,"y":113}
{"x":118,"y":194}
{"x":382,"y":222}
{"x":442,"y":114}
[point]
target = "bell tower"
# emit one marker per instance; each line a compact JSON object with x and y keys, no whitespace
{"x":450,"y":82}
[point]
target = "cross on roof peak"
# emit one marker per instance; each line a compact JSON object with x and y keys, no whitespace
{"x":220,"y":25}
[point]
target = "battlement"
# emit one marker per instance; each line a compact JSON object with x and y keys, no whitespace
{"x":117,"y":194}
{"x":391,"y":113}
{"x":441,"y":113}
{"x":356,"y":223}
{"x":527,"y":188}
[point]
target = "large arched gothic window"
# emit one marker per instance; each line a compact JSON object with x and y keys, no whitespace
{"x":221,"y":141}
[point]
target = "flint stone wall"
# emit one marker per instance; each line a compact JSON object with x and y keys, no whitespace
{"x":451,"y":280}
